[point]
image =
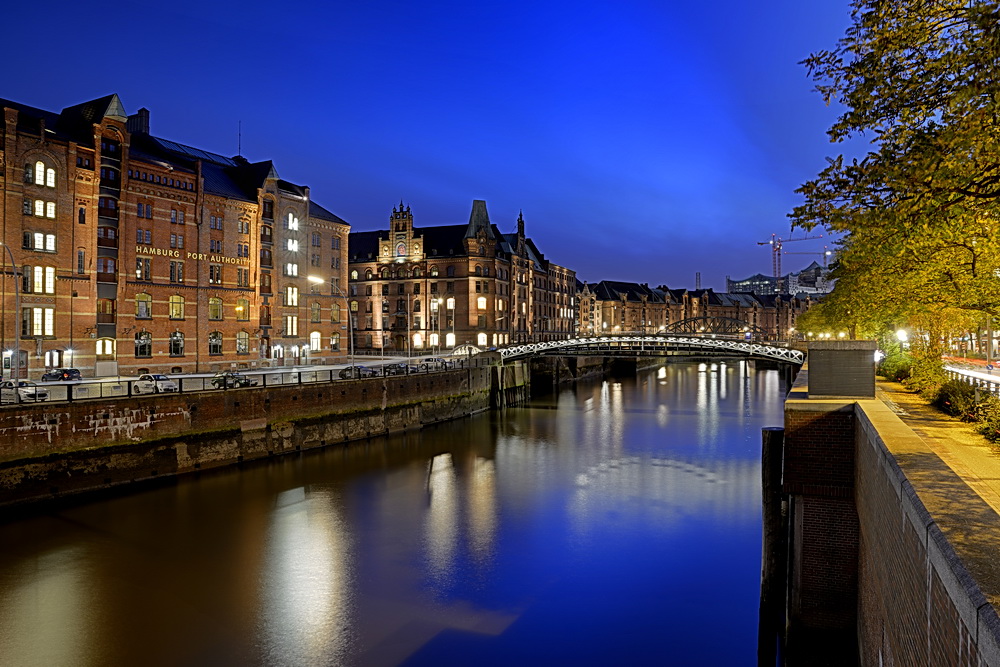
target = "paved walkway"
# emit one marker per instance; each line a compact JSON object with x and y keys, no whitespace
{"x":956,"y":443}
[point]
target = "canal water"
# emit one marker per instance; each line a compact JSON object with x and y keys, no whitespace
{"x":614,"y":522}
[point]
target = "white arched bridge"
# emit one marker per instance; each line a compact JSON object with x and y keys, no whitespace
{"x":656,"y":344}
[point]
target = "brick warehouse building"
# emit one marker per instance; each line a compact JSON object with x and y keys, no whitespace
{"x":134,"y":253}
{"x":435,"y":288}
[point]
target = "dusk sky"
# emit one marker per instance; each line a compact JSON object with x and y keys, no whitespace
{"x":643,"y":141}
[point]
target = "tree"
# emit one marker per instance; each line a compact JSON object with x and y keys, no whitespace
{"x":921,"y":210}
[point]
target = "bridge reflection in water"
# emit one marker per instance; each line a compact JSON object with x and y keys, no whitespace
{"x":610,"y":523}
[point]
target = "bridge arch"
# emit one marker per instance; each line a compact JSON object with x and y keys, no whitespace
{"x":653,"y":345}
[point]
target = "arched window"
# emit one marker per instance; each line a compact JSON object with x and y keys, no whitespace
{"x":315,"y":341}
{"x":434,"y":272}
{"x":105,"y":348}
{"x":242,"y":342}
{"x":481,"y":339}
{"x":215,"y":343}
{"x":335,"y":313}
{"x":368,"y":274}
{"x":354,"y":274}
{"x":242,"y":310}
{"x":384,"y":273}
{"x":335,"y":342}
{"x":144,"y":344}
{"x":40,"y":173}
{"x":143,"y":306}
{"x":176,"y":307}
{"x":416,"y":272}
{"x":50,"y":178}
{"x":314,"y":311}
{"x":176,"y":344}
{"x":478,"y":270}
{"x":214,"y":308}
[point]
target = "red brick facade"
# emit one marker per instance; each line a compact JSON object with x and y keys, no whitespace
{"x":136,"y":254}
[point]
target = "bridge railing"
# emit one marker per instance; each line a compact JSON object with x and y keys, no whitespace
{"x":984,"y":381}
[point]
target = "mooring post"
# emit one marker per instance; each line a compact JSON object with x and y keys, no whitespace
{"x":774,"y":549}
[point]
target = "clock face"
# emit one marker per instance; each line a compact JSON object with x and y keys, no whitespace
{"x":401,"y":249}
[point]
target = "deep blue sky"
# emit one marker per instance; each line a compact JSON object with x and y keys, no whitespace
{"x":644,"y":141}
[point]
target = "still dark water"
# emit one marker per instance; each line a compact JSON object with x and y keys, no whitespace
{"x":613,"y":523}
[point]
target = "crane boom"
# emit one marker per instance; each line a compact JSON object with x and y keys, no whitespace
{"x":776,"y":244}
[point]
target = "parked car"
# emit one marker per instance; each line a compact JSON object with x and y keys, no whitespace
{"x":355,"y":372}
{"x":436,"y":364}
{"x":153,"y":383}
{"x":61,"y":375}
{"x":22,"y":391}
{"x":231,"y":379}
{"x":399,"y":369}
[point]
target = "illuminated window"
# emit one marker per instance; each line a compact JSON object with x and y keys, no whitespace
{"x":292,"y":245}
{"x":242,"y":310}
{"x":292,"y":222}
{"x":481,"y":339}
{"x":291,"y":325}
{"x":215,"y":308}
{"x":40,"y":172}
{"x":176,"y":307}
{"x":105,"y":348}
{"x":315,"y":341}
{"x":450,"y":304}
{"x":291,"y":296}
{"x":37,"y":321}
{"x":481,"y":303}
{"x":50,"y":178}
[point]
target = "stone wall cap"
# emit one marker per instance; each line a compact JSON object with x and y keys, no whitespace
{"x":843,"y":345}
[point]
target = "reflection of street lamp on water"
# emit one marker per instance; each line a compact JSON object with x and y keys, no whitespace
{"x":16,"y":360}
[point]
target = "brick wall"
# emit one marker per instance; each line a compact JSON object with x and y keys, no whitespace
{"x":51,"y":450}
{"x":923,"y":600}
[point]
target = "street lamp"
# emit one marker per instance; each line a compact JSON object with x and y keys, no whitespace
{"x":350,"y":329}
{"x":16,"y":365}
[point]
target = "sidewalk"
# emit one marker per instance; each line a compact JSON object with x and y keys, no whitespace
{"x":968,"y":454}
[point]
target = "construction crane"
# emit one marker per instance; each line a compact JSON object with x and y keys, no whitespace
{"x":827,"y":253}
{"x":776,"y":244}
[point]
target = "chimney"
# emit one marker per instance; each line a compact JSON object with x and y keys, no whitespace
{"x":139,"y":122}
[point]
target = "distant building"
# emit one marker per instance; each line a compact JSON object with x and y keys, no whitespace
{"x":810,"y":280}
{"x":435,"y":288}
{"x":615,"y":307}
{"x":137,"y":254}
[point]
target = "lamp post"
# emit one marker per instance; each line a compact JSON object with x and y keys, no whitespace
{"x":16,"y":361}
{"x":350,"y":329}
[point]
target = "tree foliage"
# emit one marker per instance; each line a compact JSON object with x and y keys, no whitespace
{"x":920,"y":79}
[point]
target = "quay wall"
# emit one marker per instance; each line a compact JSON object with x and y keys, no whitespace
{"x":892,"y":557}
{"x":51,"y":450}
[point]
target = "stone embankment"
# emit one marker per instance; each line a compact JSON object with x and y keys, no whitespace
{"x":51,"y":450}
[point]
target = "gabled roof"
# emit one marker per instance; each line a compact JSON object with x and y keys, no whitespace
{"x":317,"y":211}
